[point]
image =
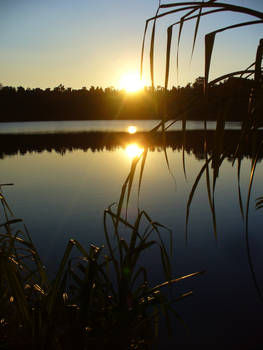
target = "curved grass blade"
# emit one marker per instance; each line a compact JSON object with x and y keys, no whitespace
{"x":252,"y":173}
{"x":164,"y":146}
{"x":196,"y":16}
{"x":254,"y":277}
{"x":247,"y":69}
{"x":183,"y":145}
{"x":190,"y":198}
{"x":171,"y":12}
{"x":209,"y":44}
{"x":130,"y":182}
{"x":239,"y":188}
{"x":55,"y":290}
{"x":152,"y":49}
{"x":229,"y":75}
{"x":225,"y":6}
{"x":196,"y":31}
{"x":171,"y":123}
{"x":182,"y":20}
{"x":121,"y":199}
{"x":258,"y":72}
{"x":210,"y":198}
{"x":144,"y":156}
{"x":168,"y":54}
{"x":176,"y":280}
{"x":143,"y":44}
{"x":259,"y":203}
{"x":109,"y":244}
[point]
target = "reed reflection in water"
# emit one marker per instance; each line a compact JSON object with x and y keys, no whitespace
{"x":63,"y":182}
{"x":11,"y":144}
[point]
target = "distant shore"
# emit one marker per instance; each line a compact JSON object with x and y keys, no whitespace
{"x":182,"y":103}
{"x":120,"y":119}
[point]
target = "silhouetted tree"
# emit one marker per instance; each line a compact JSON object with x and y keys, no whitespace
{"x":20,"y":104}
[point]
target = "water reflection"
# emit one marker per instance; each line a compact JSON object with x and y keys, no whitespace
{"x":12,"y":144}
{"x":45,"y":181}
{"x":133,"y":150}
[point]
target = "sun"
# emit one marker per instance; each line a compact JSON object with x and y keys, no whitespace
{"x":132,"y":129}
{"x":131,"y":82}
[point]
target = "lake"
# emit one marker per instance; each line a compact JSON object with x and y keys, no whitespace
{"x":67,"y":173}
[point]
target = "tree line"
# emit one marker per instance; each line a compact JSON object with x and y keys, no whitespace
{"x":189,"y":102}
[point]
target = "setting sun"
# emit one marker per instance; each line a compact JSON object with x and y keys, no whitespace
{"x":131,"y":82}
{"x":133,"y":150}
{"x":132,"y":129}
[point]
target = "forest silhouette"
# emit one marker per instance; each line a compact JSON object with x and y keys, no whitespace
{"x":188,"y":103}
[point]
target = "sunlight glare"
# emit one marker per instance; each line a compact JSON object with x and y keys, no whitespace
{"x":132,"y":129}
{"x":131,"y":82}
{"x":133,"y":150}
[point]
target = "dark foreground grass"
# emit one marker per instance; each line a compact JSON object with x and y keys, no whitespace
{"x":100,"y":300}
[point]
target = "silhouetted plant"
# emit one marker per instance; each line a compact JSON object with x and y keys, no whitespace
{"x":98,"y":301}
{"x":250,"y":77}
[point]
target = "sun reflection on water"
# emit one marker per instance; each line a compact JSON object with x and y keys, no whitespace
{"x":133,"y":150}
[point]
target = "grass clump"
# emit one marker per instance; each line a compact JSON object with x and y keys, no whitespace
{"x":103,"y":298}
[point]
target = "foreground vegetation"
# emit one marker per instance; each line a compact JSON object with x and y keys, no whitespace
{"x":106,"y":298}
{"x":103,"y":298}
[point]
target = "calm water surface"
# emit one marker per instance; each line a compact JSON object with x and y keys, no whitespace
{"x":97,"y":125}
{"x":61,"y":195}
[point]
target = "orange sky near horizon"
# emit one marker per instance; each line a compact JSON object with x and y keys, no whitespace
{"x":90,"y":43}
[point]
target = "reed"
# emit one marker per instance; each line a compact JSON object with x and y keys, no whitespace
{"x":104,"y":298}
{"x":197,"y":11}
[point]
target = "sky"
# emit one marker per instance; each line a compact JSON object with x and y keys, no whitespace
{"x":76,"y":43}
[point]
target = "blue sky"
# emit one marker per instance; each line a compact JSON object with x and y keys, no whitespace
{"x":86,"y":42}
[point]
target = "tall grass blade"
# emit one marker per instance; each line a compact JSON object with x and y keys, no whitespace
{"x":210,"y":198}
{"x":178,"y":45}
{"x":152,"y":50}
{"x":190,"y":198}
{"x":56,"y":286}
{"x":121,"y":199}
{"x":183,"y":145}
{"x":258,"y":72}
{"x":209,"y":44}
{"x":254,"y":277}
{"x":164,"y":146}
{"x":252,"y":173}
{"x":144,"y":156}
{"x":196,"y":30}
{"x":131,"y":177}
{"x":239,"y":188}
{"x":143,"y":44}
{"x":182,"y":20}
{"x":109,"y":243}
{"x":168,"y":54}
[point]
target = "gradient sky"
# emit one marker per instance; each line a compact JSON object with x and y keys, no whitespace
{"x":44,"y":43}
